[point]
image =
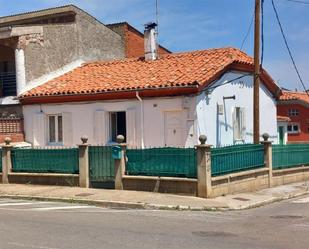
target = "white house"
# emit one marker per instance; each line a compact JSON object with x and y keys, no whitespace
{"x":168,"y":101}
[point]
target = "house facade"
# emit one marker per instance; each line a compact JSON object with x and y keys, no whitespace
{"x":295,"y":106}
{"x":169,"y":101}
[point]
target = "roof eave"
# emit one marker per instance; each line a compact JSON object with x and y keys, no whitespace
{"x":115,"y":95}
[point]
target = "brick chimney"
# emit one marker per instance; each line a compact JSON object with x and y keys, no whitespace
{"x":150,"y":42}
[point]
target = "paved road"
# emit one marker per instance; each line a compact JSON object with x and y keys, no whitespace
{"x":52,"y":225}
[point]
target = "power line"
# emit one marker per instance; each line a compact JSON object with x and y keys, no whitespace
{"x":248,"y":32}
{"x":228,"y":82}
{"x":287,"y":46}
{"x":262,"y":54}
{"x":297,"y":1}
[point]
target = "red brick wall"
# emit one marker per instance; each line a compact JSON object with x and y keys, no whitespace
{"x":135,"y":44}
{"x":302,"y":119}
{"x":16,"y":137}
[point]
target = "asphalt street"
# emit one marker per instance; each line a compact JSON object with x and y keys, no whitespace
{"x":53,"y":225}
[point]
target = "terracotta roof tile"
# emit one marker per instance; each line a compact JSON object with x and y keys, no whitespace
{"x":287,"y":95}
{"x":174,"y":70}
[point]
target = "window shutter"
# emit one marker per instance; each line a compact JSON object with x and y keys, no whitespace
{"x":131,"y":127}
{"x":234,"y":125}
{"x":243,"y":123}
{"x":100,"y":127}
{"x":67,"y":129}
{"x":39,"y":129}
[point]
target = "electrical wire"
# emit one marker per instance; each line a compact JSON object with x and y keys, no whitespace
{"x":228,"y":82}
{"x":288,"y":48}
{"x":262,"y":53}
{"x":248,"y":32}
{"x":297,"y":1}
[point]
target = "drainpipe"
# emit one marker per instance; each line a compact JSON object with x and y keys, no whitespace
{"x":142,"y":119}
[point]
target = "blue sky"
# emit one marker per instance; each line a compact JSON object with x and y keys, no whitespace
{"x":200,"y":24}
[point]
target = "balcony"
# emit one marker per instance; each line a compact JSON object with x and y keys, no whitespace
{"x":7,"y":84}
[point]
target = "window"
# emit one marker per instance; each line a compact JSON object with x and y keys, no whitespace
{"x":239,"y":124}
{"x":55,"y":129}
{"x":293,"y":128}
{"x":293,"y":112}
{"x":117,"y":125}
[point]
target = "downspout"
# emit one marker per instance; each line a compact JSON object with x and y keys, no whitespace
{"x":142,"y":119}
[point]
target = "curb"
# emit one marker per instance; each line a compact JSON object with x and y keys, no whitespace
{"x":114,"y":204}
{"x":269,"y":201}
{"x":148,"y":206}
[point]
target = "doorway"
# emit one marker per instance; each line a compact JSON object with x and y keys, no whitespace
{"x":173,"y":129}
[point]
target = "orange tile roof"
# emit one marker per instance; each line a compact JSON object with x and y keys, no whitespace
{"x":287,"y":95}
{"x":190,"y":69}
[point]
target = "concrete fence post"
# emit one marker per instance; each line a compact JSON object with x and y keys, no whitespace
{"x":83,"y":157}
{"x":6,"y":160}
{"x":120,"y":163}
{"x":268,"y":158}
{"x":204,"y":188}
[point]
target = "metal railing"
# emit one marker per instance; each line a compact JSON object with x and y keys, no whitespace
{"x":236,"y":158}
{"x":290,"y":155}
{"x":101,"y":163}
{"x":45,"y":160}
{"x":176,"y":162}
{"x":8,"y":83}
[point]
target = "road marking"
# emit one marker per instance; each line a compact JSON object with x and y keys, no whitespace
{"x":31,"y":246}
{"x":59,"y":208}
{"x":303,"y":200}
{"x":18,"y":204}
{"x":302,"y":225}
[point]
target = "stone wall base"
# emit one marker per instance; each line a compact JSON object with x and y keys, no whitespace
{"x":173,"y":185}
{"x":44,"y":179}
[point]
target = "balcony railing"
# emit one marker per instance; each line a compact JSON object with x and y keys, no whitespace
{"x":7,"y":84}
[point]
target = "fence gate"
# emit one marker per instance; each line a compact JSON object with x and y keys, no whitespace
{"x":102,"y":169}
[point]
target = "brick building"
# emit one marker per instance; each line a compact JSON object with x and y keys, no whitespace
{"x":295,"y":106}
{"x":133,"y":40}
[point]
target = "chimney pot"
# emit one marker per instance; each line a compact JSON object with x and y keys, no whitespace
{"x":150,"y":41}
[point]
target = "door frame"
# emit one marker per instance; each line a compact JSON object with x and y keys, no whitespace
{"x":183,"y":123}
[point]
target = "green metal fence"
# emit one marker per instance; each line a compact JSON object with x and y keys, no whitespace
{"x":236,"y":158}
{"x":174,"y":162}
{"x":291,"y":155}
{"x":45,"y":160}
{"x":102,"y":166}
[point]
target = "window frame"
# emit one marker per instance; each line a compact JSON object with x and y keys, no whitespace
{"x":293,"y":112}
{"x":240,"y":121}
{"x":111,"y":140}
{"x":292,"y":128}
{"x":57,"y":142}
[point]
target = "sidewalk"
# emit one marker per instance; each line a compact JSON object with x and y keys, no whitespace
{"x":148,"y":200}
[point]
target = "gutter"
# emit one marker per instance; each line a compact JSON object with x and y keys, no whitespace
{"x":142,"y":119}
{"x":109,"y":95}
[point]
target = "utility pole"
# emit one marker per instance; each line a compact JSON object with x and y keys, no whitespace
{"x":256,"y":75}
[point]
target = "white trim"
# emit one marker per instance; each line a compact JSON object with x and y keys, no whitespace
{"x":56,"y":143}
{"x":293,"y":124}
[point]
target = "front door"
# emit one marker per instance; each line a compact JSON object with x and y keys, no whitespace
{"x":174,"y":129}
{"x":281,"y":135}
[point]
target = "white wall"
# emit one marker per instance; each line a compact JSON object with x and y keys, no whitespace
{"x":83,"y":118}
{"x":219,"y":128}
{"x":199,"y":116}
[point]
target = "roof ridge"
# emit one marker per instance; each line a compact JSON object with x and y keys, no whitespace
{"x":40,"y":10}
{"x":168,"y":56}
